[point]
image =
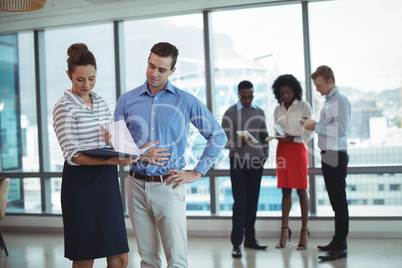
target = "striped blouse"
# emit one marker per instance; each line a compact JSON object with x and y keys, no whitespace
{"x":77,"y":126}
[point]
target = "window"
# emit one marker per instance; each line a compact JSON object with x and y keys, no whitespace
{"x":259,"y":45}
{"x":198,"y":199}
{"x":361,"y":203}
{"x":10,"y":114}
{"x":365,"y":55}
{"x":29,"y":125}
{"x":24,"y":196}
{"x":378,"y":202}
{"x":55,"y":198}
{"x":351,"y":187}
{"x":19,"y":138}
{"x":269,"y":202}
{"x":186,"y":33}
{"x":395,"y":187}
{"x":353,"y":202}
{"x":99,"y":39}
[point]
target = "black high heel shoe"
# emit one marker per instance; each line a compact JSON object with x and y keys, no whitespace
{"x":301,"y":246}
{"x":280,"y":245}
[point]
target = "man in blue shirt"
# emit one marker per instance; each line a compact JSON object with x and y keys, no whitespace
{"x":157,"y":110}
{"x":333,"y":130}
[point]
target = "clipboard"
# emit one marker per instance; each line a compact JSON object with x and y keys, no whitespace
{"x":122,"y":142}
{"x":247,"y":134}
{"x":109,"y":152}
{"x":270,"y":138}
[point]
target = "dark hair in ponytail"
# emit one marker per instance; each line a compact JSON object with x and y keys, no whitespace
{"x":78,"y":54}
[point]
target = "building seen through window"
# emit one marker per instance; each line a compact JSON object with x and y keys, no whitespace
{"x":265,"y":43}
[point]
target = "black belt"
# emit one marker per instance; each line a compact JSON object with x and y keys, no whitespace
{"x":148,"y":178}
{"x":334,"y":151}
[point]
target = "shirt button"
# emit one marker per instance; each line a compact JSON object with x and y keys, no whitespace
{"x":152,"y":128}
{"x":156,"y":98}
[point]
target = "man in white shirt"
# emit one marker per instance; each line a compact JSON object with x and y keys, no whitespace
{"x":332,"y":130}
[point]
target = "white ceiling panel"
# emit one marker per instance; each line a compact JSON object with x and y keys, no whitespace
{"x":57,"y":13}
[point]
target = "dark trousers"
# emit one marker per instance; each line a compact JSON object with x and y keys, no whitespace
{"x":334,"y":168}
{"x":246,"y":180}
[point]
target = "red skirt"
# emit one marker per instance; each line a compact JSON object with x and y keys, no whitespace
{"x":291,"y":165}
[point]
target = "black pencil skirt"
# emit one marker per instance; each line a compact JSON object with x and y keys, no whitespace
{"x":92,"y":210}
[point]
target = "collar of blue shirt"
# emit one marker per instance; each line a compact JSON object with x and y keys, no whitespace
{"x":332,"y":93}
{"x":144,"y":89}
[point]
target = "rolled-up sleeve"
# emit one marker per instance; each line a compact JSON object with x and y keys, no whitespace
{"x":210,"y":129}
{"x":66,"y":132}
{"x":306,"y":134}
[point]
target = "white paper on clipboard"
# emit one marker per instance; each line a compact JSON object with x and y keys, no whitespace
{"x":122,"y":140}
{"x":248,"y":135}
{"x":279,"y":130}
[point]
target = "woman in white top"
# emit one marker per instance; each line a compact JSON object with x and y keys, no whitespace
{"x":291,"y":156}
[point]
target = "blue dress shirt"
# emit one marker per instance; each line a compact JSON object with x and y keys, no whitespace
{"x":166,"y":117}
{"x":334,"y":124}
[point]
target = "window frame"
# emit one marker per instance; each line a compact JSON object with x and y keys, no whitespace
{"x":213,"y":174}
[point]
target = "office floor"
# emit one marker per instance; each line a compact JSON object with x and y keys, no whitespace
{"x":29,"y":250}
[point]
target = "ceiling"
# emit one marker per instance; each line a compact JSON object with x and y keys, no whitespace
{"x":57,"y":13}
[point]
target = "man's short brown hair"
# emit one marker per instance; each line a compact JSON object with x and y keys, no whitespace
{"x":166,"y":50}
{"x":325,"y":72}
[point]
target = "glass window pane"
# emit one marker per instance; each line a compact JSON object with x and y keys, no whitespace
{"x":185,"y":32}
{"x":259,"y":45}
{"x":10,"y":138}
{"x":269,"y":202}
{"x":19,"y":138}
{"x":367,"y":195}
{"x":99,"y":39}
{"x":198,"y":197}
{"x":364,"y":51}
{"x":29,"y":125}
{"x":24,"y":195}
{"x":55,"y":192}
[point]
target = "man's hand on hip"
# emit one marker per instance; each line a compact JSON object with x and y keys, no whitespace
{"x":179,"y":177}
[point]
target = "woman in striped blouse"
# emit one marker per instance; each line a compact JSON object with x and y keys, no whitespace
{"x":93,"y":218}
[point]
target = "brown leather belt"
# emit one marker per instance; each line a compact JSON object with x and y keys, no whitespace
{"x":148,"y":178}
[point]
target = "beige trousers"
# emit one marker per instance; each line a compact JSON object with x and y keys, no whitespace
{"x":158,"y":216}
